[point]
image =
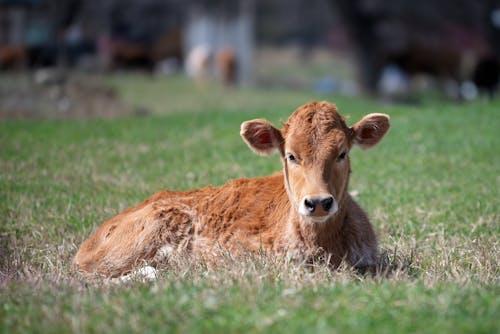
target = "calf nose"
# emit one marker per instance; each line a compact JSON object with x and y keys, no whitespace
{"x":312,"y":202}
{"x":326,"y":203}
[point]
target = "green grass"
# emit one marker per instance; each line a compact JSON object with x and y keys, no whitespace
{"x":431,"y":189}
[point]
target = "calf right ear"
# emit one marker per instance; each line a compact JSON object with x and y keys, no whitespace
{"x":261,"y":136}
{"x":370,"y":130}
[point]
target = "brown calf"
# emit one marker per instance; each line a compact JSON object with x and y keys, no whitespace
{"x":304,"y":210}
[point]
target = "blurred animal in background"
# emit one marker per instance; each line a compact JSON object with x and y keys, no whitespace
{"x":12,"y":56}
{"x":203,"y":65}
{"x":199,"y":63}
{"x":128,"y":53}
{"x":227,"y":66}
{"x":487,"y":75}
{"x":125,"y":52}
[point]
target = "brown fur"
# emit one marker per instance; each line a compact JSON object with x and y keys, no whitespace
{"x":12,"y":56}
{"x":254,"y":214}
{"x":227,"y":65}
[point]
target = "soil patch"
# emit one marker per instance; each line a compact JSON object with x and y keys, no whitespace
{"x":50,"y":94}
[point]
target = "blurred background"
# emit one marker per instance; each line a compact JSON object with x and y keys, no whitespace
{"x":396,"y":50}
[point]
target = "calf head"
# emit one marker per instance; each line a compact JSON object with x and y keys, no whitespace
{"x":314,"y":145}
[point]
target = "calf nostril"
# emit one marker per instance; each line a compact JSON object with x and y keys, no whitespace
{"x":327,"y":203}
{"x":310,"y":205}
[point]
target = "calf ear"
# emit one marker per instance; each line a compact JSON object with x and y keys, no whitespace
{"x":370,"y":130}
{"x":261,"y":136}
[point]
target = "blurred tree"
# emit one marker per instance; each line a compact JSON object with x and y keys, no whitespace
{"x":294,"y":21}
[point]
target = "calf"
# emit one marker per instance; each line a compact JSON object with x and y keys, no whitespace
{"x":302,"y":211}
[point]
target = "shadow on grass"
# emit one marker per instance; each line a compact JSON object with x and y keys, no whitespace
{"x":394,"y":263}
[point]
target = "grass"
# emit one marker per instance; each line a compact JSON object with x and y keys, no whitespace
{"x":431,"y":189}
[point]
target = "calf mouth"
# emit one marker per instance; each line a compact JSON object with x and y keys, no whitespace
{"x":318,"y":219}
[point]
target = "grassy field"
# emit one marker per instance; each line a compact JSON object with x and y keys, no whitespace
{"x":431,"y":189}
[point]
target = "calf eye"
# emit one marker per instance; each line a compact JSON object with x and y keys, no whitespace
{"x":342,"y":156}
{"x":291,"y":157}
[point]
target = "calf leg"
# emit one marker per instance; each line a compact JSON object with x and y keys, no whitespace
{"x":144,"y":235}
{"x":360,"y":240}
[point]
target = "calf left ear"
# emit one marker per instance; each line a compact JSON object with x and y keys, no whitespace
{"x":370,"y":130}
{"x":261,"y":136}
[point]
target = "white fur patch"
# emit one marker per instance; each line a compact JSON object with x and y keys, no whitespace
{"x":146,"y":274}
{"x":164,"y":252}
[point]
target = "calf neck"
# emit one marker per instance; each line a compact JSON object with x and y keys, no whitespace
{"x":302,"y":212}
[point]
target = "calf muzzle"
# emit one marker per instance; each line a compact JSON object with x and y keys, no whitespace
{"x":318,"y":206}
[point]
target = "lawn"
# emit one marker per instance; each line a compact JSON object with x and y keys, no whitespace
{"x":431,"y":189}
